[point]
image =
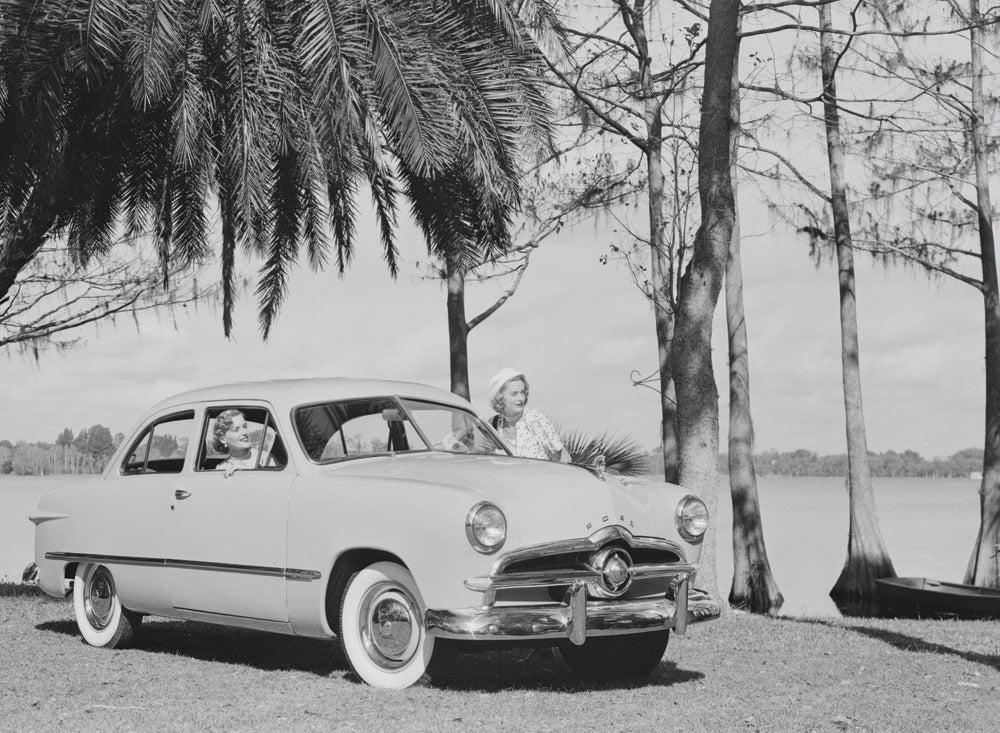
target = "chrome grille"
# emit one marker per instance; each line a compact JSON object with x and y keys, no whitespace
{"x":548,"y":571}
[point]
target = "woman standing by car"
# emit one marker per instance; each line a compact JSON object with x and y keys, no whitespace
{"x":529,"y":432}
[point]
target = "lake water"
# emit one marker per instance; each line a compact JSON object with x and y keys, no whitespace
{"x":929,"y":526}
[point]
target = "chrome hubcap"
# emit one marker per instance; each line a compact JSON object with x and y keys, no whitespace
{"x":99,"y":599}
{"x":390,"y":625}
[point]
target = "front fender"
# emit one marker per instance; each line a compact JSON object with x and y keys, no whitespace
{"x":424,"y":527}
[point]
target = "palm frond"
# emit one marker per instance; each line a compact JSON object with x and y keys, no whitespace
{"x":622,"y":453}
{"x":406,"y":78}
{"x":101,"y":23}
{"x":272,"y":283}
{"x":154,"y":46}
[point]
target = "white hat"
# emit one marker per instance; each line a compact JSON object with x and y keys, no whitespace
{"x":500,"y":379}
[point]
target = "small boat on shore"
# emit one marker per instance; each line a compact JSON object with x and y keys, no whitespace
{"x":928,"y":598}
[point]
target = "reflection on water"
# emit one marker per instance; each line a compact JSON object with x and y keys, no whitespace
{"x":929,"y":526}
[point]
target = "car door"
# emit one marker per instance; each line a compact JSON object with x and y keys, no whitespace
{"x":228,"y":529}
{"x":128,"y":511}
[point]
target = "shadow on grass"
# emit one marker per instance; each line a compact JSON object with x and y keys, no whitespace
{"x":907,"y":643}
{"x":556,"y":679}
{"x":915,"y":644}
{"x":493,"y":670}
{"x":210,"y":643}
{"x":487,"y":671}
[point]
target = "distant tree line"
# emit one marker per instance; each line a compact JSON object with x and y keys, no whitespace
{"x":889,"y":464}
{"x":86,"y":452}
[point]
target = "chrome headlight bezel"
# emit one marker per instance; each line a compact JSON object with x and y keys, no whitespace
{"x":472,"y":530}
{"x":690,"y":512}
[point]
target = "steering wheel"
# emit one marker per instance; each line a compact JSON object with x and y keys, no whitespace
{"x":454,"y":442}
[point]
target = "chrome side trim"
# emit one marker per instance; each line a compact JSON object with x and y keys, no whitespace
{"x":297,"y":574}
{"x":287,"y":573}
{"x":585,"y":544}
{"x":113,"y":559}
{"x":223,"y":567}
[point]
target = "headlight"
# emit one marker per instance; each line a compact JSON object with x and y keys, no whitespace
{"x":692,"y":518}
{"x":486,"y":527}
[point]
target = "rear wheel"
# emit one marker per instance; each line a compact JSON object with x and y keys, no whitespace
{"x":624,"y":656}
{"x":102,"y":619}
{"x":381,"y":630}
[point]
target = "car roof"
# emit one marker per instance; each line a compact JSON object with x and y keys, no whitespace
{"x":291,"y":392}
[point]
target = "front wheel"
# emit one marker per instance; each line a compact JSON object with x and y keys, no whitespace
{"x":382,"y":626}
{"x":102,"y":619}
{"x":616,"y":657}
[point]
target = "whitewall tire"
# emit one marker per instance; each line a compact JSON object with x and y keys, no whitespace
{"x":102,"y":619}
{"x":382,"y":626}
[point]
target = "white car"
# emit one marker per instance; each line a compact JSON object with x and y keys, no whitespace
{"x":384,"y":514}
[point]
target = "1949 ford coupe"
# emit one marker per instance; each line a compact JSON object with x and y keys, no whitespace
{"x":384,"y":514}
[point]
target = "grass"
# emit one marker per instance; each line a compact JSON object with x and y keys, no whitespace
{"x":742,"y":673}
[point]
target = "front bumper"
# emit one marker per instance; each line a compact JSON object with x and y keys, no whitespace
{"x":574,"y":619}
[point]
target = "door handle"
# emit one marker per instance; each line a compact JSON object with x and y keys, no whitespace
{"x":181,"y":494}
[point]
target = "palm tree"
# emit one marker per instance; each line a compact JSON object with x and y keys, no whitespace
{"x":128,"y":115}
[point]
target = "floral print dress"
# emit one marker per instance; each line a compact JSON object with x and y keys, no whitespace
{"x":534,"y":436}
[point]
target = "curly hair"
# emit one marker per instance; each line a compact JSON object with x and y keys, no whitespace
{"x":497,"y":403}
{"x":223,"y":422}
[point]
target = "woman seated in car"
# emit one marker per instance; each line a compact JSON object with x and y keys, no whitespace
{"x":231,"y":436}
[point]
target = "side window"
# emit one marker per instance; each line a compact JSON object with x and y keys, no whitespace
{"x":240,"y":438}
{"x":355,"y":428}
{"x":162,"y":446}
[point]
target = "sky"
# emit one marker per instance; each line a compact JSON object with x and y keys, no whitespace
{"x":576,"y":327}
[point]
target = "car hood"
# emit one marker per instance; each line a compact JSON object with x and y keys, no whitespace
{"x":543,"y":500}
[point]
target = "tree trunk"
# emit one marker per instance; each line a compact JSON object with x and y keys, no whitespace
{"x":867,"y":557}
{"x":663,"y":315}
{"x":984,"y":565}
{"x":660,"y":284}
{"x":458,"y":329}
{"x":753,"y":585}
{"x":697,"y":393}
{"x":28,"y":236}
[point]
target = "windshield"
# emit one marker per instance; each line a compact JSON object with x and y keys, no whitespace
{"x":375,"y":426}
